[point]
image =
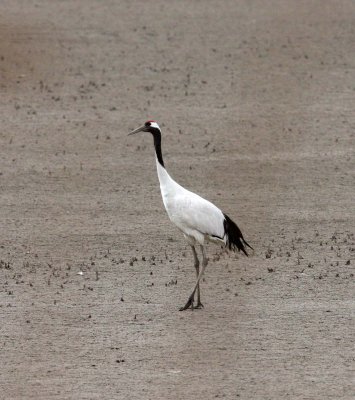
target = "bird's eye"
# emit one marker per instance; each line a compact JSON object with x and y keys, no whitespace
{"x":147,"y":123}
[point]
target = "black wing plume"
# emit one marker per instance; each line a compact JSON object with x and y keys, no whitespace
{"x":235,"y":239}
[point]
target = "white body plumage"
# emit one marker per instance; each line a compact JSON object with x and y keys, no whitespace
{"x":195,"y":216}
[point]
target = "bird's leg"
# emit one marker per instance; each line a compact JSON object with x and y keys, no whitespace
{"x":204,"y":265}
{"x":190,"y":301}
{"x":191,"y":298}
{"x":197,"y":267}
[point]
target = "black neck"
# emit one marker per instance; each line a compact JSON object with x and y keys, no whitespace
{"x":157,"y":144}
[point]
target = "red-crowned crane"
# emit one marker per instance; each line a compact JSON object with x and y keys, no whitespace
{"x":197,"y":218}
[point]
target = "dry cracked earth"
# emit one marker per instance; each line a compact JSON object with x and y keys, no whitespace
{"x":256,"y":102}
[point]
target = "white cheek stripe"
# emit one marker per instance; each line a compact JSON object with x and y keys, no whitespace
{"x":154,"y":125}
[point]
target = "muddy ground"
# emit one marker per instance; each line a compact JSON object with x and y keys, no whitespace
{"x":256,"y":101}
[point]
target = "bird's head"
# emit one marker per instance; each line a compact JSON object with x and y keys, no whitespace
{"x":149,"y":126}
{"x":153,"y":128}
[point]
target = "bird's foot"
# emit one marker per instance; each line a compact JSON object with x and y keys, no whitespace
{"x":199,"y":305}
{"x":190,"y":303}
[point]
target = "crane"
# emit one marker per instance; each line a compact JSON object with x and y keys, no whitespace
{"x":198,"y":219}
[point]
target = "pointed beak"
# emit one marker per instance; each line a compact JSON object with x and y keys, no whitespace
{"x":140,"y":129}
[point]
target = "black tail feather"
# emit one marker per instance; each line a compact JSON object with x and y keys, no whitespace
{"x":235,"y":240}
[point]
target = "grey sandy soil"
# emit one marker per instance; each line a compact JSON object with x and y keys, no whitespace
{"x":256,"y":101}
